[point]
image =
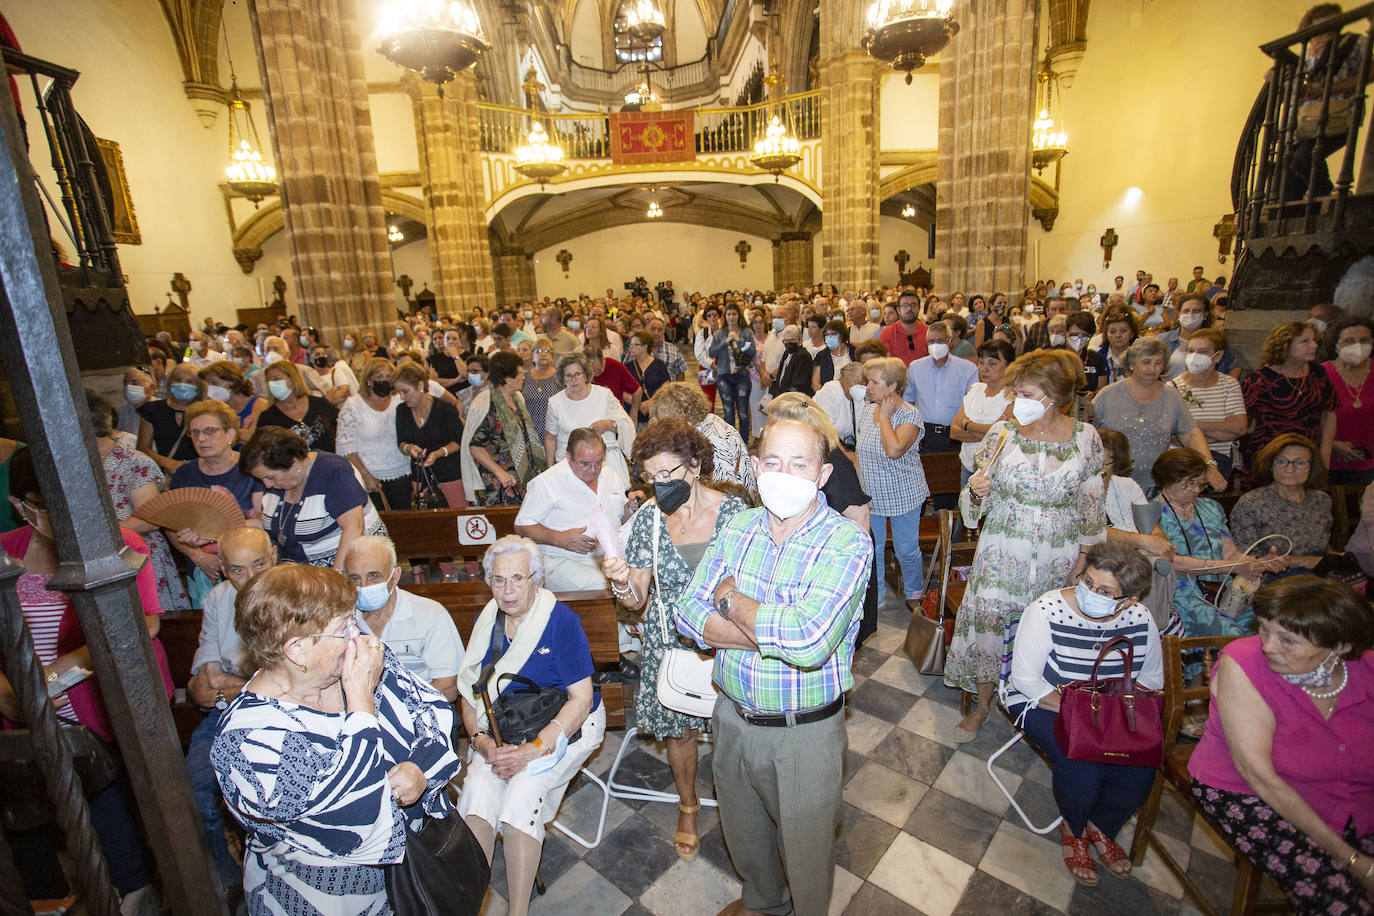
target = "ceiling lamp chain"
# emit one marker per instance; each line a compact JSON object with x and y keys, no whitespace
{"x":540,"y":160}
{"x":436,"y":38}
{"x":904,"y":33}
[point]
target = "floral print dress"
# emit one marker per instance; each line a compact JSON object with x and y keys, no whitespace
{"x":125,"y":471}
{"x":670,"y":580}
{"x":1047,"y":499}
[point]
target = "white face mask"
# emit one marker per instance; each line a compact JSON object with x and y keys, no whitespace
{"x":272,"y":357}
{"x":786,"y":495}
{"x":1056,"y":340}
{"x":218,"y":392}
{"x":1197,"y":362}
{"x":1027,"y":410}
{"x":939,"y":351}
{"x":1318,"y":325}
{"x":1077,"y":341}
{"x":1352,"y":354}
{"x":858,"y":392}
{"x":1192,"y":321}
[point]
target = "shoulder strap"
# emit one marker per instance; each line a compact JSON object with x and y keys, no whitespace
{"x":657,"y":599}
{"x":498,"y":648}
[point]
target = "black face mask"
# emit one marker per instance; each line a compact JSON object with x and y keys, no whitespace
{"x":791,"y":346}
{"x":671,"y":495}
{"x":381,"y":389}
{"x":320,"y":362}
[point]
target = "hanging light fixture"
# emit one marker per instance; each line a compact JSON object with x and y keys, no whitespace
{"x":436,"y":38}
{"x":655,"y":211}
{"x":644,"y":22}
{"x":394,"y":235}
{"x":908,"y":211}
{"x":1049,"y":143}
{"x":540,"y":160}
{"x":904,"y":33}
{"x":777,"y":151}
{"x":247,"y":174}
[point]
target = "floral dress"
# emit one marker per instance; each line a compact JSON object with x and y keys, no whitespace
{"x":125,"y":471}
{"x":1202,"y":537}
{"x":1046,"y":500}
{"x":491,"y":436}
{"x":670,"y":580}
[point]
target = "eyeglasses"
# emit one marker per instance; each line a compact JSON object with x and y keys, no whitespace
{"x":1098,"y":589}
{"x":516,"y":581}
{"x":661,"y":476}
{"x":1297,"y":464}
{"x":573,"y":376}
{"x":349,"y":631}
{"x":205,"y":433}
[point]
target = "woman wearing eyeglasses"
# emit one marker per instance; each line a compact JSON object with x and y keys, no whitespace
{"x":541,"y":383}
{"x":1291,"y":500}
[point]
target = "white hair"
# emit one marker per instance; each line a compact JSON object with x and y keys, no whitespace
{"x":514,"y":543}
{"x":366,"y":542}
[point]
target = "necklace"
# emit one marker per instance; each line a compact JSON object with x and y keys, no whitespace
{"x":1334,"y":691}
{"x":1356,"y":394}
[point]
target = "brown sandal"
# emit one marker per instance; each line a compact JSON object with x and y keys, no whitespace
{"x":683,"y":838}
{"x":1077,"y":854}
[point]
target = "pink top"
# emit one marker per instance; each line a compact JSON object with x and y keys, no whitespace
{"x":1326,"y":761}
{"x":39,"y":603}
{"x":1353,"y":424}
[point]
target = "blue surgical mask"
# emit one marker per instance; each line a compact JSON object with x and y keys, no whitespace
{"x":475,"y":379}
{"x":135,"y":394}
{"x":778,"y":324}
{"x":832,"y":341}
{"x":875,"y":314}
{"x":279,"y":388}
{"x":374,"y":596}
{"x":574,"y":325}
{"x":184,"y":391}
{"x":1092,"y":604}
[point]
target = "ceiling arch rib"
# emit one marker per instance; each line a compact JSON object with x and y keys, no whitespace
{"x":269,"y":219}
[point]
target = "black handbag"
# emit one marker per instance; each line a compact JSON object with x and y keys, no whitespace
{"x":522,"y":713}
{"x":444,"y":872}
{"x":425,"y":486}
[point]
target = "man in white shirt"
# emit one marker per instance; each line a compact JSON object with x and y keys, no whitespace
{"x":219,"y":670}
{"x":836,"y":399}
{"x":570,"y":510}
{"x":418,"y":630}
{"x":774,"y":348}
{"x":860,"y":327}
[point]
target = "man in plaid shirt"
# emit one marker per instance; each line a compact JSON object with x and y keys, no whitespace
{"x":779,"y":594}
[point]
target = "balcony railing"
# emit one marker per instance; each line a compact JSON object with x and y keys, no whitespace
{"x":587,"y":136}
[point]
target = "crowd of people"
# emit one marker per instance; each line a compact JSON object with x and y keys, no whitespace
{"x":1102,"y":435}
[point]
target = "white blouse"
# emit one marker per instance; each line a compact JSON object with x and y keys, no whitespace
{"x":371,"y":435}
{"x":980,"y":408}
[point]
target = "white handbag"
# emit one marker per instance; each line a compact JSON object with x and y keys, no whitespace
{"x":684,"y":675}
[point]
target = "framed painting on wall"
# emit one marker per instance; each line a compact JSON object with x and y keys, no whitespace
{"x":123,"y":221}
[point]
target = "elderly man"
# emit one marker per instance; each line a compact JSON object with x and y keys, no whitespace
{"x":861,"y":326}
{"x":905,"y":338}
{"x":199,"y":353}
{"x":667,"y":351}
{"x":218,"y":672}
{"x":551,"y":326}
{"x":779,"y":595}
{"x":571,"y":510}
{"x":418,"y":630}
{"x":794,"y":369}
{"x":1038,"y":334}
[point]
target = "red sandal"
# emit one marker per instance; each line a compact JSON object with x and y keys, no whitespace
{"x":1078,"y":855}
{"x":1109,"y":851}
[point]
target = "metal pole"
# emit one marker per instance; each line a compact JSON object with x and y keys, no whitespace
{"x":92,"y":567}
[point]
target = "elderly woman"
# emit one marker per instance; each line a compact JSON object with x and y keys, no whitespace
{"x":514,"y":785}
{"x":542,"y":382}
{"x":1352,"y":452}
{"x":293,"y":408}
{"x":1204,"y":548}
{"x":367,"y":437}
{"x":501,"y":450}
{"x":275,"y":350}
{"x":225,"y":381}
{"x":986,"y":401}
{"x":583,"y":404}
{"x":315,"y":503}
{"x":887,"y":445}
{"x":732,"y":462}
{"x":1040,"y":505}
{"x":1289,"y":393}
{"x":1057,"y":644}
{"x":328,"y":751}
{"x":60,"y":645}
{"x":1290,"y":499}
{"x":732,"y":347}
{"x":1213,"y":398}
{"x":162,"y":432}
{"x":1284,"y":766}
{"x":667,"y":538}
{"x":428,"y":431}
{"x":1149,"y":413}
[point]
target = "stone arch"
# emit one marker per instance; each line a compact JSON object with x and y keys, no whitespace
{"x":269,"y":219}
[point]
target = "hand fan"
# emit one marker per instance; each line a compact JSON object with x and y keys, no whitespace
{"x":208,"y":511}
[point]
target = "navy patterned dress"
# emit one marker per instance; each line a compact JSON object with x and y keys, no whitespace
{"x":310,"y":788}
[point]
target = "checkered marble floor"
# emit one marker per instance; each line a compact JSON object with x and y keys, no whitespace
{"x":924,"y":828}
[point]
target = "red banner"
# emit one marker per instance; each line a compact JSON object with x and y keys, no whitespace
{"x":652,"y":136}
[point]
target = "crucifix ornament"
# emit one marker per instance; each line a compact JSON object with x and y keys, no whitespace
{"x":742,"y":249}
{"x":564,"y":258}
{"x":1108,"y":241}
{"x":902,"y":259}
{"x":1224,"y":231}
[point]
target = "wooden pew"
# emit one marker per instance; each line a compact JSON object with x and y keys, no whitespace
{"x":434,"y":532}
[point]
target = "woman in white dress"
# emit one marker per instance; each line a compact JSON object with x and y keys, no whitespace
{"x":366,"y":437}
{"x":580,"y":404}
{"x":986,"y":402}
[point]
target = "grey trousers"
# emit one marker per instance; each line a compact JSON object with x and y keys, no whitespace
{"x":779,"y":794}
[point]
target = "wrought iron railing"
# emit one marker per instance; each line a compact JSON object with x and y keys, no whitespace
{"x":587,"y":136}
{"x":1305,"y":113}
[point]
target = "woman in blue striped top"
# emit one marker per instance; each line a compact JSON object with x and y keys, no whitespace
{"x":1058,"y":642}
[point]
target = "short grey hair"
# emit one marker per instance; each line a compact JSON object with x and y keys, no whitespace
{"x":514,"y":543}
{"x":366,"y":542}
{"x":1143,"y":347}
{"x":575,"y":359}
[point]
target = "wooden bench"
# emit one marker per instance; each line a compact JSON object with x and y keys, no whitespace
{"x":434,"y":532}
{"x":180,"y":635}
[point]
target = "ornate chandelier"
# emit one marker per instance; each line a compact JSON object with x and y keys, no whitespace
{"x":777,"y":151}
{"x":908,"y":211}
{"x":1048,"y":144}
{"x":655,"y":211}
{"x":437,"y":38}
{"x":540,"y":160}
{"x":247,"y":174}
{"x":394,"y":235}
{"x":904,"y":33}
{"x":643,"y":21}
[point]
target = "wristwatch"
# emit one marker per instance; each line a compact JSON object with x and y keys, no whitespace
{"x":723,"y":603}
{"x":220,"y":702}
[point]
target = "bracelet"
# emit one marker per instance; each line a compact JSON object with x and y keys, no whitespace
{"x":1350,"y":862}
{"x":445,"y":451}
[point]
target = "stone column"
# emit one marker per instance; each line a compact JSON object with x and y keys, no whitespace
{"x":793,"y":260}
{"x":451,"y":174}
{"x":849,"y":81}
{"x":514,"y":274}
{"x":982,"y":187}
{"x":310,"y":59}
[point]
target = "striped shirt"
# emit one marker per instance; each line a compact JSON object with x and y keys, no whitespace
{"x":810,"y":588}
{"x":1213,"y":404}
{"x":897,"y":485}
{"x":1056,"y":645}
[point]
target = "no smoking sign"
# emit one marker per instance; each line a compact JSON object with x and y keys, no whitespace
{"x":475,"y":529}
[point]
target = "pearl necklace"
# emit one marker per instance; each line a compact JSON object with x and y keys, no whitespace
{"x":1334,"y":691}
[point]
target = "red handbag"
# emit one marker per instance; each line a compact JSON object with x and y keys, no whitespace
{"x":1112,"y":721}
